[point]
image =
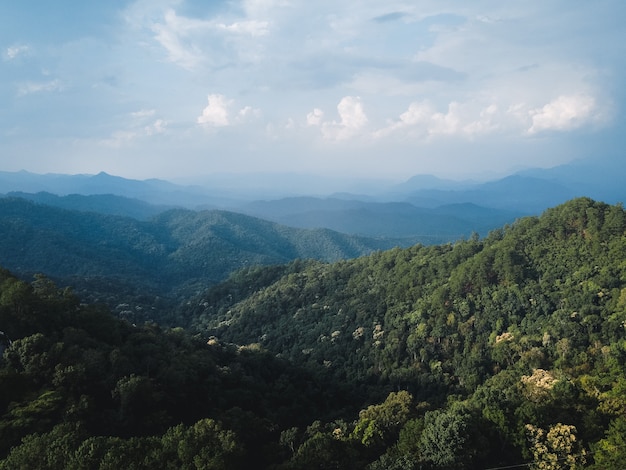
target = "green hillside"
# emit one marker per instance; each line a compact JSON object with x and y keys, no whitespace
{"x":120,"y":260}
{"x":464,"y":322}
{"x":506,"y":352}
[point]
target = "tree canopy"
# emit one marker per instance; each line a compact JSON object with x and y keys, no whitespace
{"x":485,"y":353}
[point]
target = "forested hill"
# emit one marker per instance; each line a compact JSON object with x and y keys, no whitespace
{"x":523,"y":327}
{"x":81,"y":389}
{"x":484,"y":354}
{"x":103,"y":256}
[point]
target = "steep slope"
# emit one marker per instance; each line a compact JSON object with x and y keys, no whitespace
{"x":516,"y":329}
{"x":390,"y":315}
{"x":74,"y":374}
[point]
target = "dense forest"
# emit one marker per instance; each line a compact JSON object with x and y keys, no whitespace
{"x":152,"y":264}
{"x":502,"y":352}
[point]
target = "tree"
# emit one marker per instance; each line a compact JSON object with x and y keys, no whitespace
{"x":379,"y":425}
{"x":610,"y":452}
{"x":50,"y":450}
{"x":555,"y":450}
{"x":443,"y":443}
{"x":204,"y":445}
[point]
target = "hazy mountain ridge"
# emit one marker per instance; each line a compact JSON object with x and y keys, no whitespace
{"x":423,"y":209}
{"x":384,"y":219}
{"x":527,"y":191}
{"x":173,"y":249}
{"x":153,"y":191}
{"x":108,"y":204}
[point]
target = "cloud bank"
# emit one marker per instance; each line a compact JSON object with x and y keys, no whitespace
{"x":388,"y":87}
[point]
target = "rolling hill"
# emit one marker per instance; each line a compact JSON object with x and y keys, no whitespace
{"x":176,"y":249}
{"x":501,"y":352}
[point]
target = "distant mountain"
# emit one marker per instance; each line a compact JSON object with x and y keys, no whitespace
{"x":421,"y":182}
{"x":530,"y":191}
{"x":101,"y":203}
{"x":174,"y":250}
{"x":153,"y":191}
{"x":361,"y":207}
{"x":376,"y":219}
{"x":518,"y":193}
{"x":596,"y":178}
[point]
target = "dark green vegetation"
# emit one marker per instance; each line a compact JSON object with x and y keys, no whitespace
{"x":479,"y":354}
{"x":152,"y":264}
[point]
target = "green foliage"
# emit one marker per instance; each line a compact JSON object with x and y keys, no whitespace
{"x":379,"y":425}
{"x":469,"y":319}
{"x":144,"y":268}
{"x":444,"y":440}
{"x":610,"y":452}
{"x":484,"y":353}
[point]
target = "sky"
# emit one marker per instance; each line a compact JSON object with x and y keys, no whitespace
{"x":365,"y":89}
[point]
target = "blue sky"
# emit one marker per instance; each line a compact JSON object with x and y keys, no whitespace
{"x":384,"y":89}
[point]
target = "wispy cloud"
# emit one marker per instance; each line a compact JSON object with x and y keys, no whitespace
{"x":253,"y":28}
{"x":28,"y":88}
{"x":389,"y":17}
{"x":140,"y":124}
{"x":192,"y":42}
{"x":177,"y":36}
{"x":15,"y":51}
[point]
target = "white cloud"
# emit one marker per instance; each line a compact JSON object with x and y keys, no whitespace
{"x":352,"y":120}
{"x":28,"y":88}
{"x":157,"y":127}
{"x":141,"y":125}
{"x":246,"y":114}
{"x":144,"y":113}
{"x":485,"y":123}
{"x":176,"y":36}
{"x":315,"y":117}
{"x":418,"y":113}
{"x":191,"y":42}
{"x":462,"y":119}
{"x":416,"y":117}
{"x":216,"y":112}
{"x":253,"y":28}
{"x":13,"y":52}
{"x":562,"y":114}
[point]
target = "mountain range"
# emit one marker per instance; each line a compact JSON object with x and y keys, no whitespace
{"x":525,"y":192}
